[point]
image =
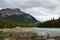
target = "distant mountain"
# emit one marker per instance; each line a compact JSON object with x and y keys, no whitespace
{"x":9,"y":11}
{"x":16,"y":15}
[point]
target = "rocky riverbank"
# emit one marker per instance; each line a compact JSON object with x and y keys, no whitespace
{"x":25,"y":34}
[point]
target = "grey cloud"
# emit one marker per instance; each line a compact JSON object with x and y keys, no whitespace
{"x":52,"y":6}
{"x":26,"y":4}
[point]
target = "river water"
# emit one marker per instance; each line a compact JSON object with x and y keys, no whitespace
{"x":48,"y":30}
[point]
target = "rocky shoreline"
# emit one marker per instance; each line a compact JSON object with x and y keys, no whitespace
{"x":25,"y":34}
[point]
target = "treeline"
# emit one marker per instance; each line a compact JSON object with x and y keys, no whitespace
{"x":10,"y":24}
{"x":53,"y":23}
{"x":6,"y":24}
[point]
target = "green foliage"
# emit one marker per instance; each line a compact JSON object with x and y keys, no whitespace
{"x":10,"y":24}
{"x":6,"y":24}
{"x":12,"y":21}
{"x":21,"y":19}
{"x":50,"y":23}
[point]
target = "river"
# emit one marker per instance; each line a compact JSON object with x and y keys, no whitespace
{"x":48,"y":30}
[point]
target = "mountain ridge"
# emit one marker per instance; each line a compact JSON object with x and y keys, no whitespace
{"x":17,"y":16}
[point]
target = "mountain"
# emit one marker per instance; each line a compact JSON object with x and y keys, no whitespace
{"x":9,"y":11}
{"x":16,"y":15}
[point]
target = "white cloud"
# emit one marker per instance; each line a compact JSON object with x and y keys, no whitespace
{"x":41,"y":14}
{"x":0,"y":8}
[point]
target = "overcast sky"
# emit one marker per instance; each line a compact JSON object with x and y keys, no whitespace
{"x":41,"y":9}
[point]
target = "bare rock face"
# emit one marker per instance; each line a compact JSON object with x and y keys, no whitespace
{"x":9,"y":11}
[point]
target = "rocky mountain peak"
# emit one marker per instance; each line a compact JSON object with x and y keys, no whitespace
{"x":9,"y":11}
{"x":16,"y":15}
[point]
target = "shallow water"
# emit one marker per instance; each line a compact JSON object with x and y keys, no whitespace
{"x":56,"y":30}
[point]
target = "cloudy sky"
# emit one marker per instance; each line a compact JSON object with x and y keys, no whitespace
{"x":41,"y":9}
